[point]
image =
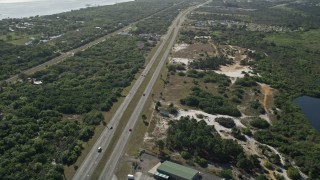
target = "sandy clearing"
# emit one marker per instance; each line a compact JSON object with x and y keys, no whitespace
{"x":210,"y":120}
{"x":265,"y":117}
{"x":193,"y":51}
{"x":180,"y":60}
{"x":147,"y":137}
{"x":159,"y":131}
{"x":234,"y":71}
{"x":251,"y":145}
{"x":179,"y":47}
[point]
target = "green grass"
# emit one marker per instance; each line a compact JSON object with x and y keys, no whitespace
{"x":307,"y":40}
{"x":17,"y":39}
{"x":217,"y":33}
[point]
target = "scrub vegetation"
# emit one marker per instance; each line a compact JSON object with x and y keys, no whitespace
{"x":284,"y":48}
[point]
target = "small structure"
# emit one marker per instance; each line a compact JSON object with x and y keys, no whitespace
{"x":170,"y":170}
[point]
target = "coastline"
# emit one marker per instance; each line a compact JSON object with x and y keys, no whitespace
{"x":18,"y":1}
{"x":27,"y":8}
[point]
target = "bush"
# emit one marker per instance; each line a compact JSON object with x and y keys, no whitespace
{"x":185,"y":155}
{"x":237,"y":134}
{"x":247,"y":81}
{"x":172,"y":110}
{"x":247,"y":131}
{"x":181,"y":73}
{"x":293,"y":173}
{"x":227,"y":174}
{"x":225,"y":122}
{"x":261,"y":177}
{"x":202,"y":162}
{"x":93,"y":118}
{"x":268,"y":165}
{"x":171,"y":68}
{"x":259,"y":123}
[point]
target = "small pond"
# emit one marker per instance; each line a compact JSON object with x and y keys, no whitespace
{"x":311,"y":109}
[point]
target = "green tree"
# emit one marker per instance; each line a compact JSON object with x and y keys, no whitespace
{"x":227,"y":174}
{"x":144,"y":117}
{"x":293,"y":173}
{"x":160,"y":144}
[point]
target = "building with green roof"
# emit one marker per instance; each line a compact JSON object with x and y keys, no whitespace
{"x":173,"y":171}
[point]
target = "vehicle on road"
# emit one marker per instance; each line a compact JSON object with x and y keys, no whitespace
{"x":130,"y":130}
{"x":144,"y":94}
{"x":130,"y":177}
{"x":99,"y":149}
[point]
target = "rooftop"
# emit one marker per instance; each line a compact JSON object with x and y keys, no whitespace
{"x":177,"y":170}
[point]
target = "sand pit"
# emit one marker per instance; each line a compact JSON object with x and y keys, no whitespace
{"x":250,"y":145}
{"x":210,"y":120}
{"x":180,"y":60}
{"x":179,"y":47}
{"x":234,"y":71}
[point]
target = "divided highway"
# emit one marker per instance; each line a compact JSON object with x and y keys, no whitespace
{"x":93,"y":158}
{"x":89,"y":165}
{"x":113,"y":160}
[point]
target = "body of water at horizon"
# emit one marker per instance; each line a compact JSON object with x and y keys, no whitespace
{"x":311,"y":109}
{"x":27,"y":8}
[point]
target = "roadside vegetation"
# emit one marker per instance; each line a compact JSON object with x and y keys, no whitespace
{"x":282,"y":48}
{"x":37,"y":136}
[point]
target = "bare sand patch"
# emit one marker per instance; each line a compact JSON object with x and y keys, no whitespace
{"x":179,"y":47}
{"x":250,"y":146}
{"x":180,"y":60}
{"x":210,"y":120}
{"x":235,"y":70}
{"x":194,"y":51}
{"x":268,"y":93}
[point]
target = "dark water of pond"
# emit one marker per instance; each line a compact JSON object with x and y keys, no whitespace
{"x":311,"y":109}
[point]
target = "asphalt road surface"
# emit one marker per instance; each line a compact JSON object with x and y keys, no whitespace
{"x":112,"y":162}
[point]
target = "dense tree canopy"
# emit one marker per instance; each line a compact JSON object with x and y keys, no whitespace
{"x":210,"y":103}
{"x":199,"y":139}
{"x":36,"y":130}
{"x":38,"y":39}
